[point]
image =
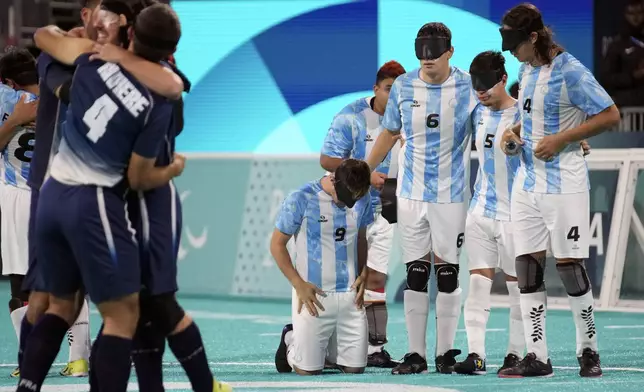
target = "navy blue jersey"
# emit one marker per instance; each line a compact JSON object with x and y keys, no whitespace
{"x":176,"y":125}
{"x":111,"y":115}
{"x":52,"y":75}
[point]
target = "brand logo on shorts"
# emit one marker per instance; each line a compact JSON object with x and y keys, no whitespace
{"x":322,"y":219}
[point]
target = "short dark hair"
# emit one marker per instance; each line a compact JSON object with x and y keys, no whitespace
{"x":19,"y":66}
{"x":514,"y":90}
{"x":140,"y":5}
{"x":356,"y":175}
{"x":488,"y":61}
{"x":156,"y":32}
{"x":390,"y":70}
{"x":527,"y":17}
{"x":435,"y":29}
{"x":89,"y":3}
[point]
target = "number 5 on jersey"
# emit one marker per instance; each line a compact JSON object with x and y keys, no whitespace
{"x":98,"y":115}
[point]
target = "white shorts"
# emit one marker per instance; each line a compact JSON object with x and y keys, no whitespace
{"x":380,"y":236}
{"x":435,"y":227}
{"x":14,"y":229}
{"x":339,"y":333}
{"x":489,"y":244}
{"x":558,"y":221}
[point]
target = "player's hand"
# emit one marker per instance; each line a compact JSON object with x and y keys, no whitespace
{"x":548,"y":147}
{"x":399,"y":137}
{"x":24,"y":112}
{"x":178,"y":164}
{"x":109,"y":53}
{"x":77,"y":32}
{"x":307,"y":295}
{"x":360,"y":285}
{"x":508,"y":136}
{"x":378,"y":180}
{"x":585,"y":147}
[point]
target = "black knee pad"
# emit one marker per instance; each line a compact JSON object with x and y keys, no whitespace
{"x":446,"y":277}
{"x":417,"y":276}
{"x":389,"y":200}
{"x":530,"y":274}
{"x":163,"y":310}
{"x":16,"y":288}
{"x":574,"y":278}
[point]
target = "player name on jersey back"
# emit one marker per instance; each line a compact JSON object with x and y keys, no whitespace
{"x":123,"y":89}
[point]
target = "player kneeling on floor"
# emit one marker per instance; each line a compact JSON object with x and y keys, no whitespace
{"x":329,"y":219}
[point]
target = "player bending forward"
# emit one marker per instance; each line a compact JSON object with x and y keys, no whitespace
{"x":329,"y":219}
{"x":550,"y":195}
{"x":488,"y":228}
{"x":352,"y":134}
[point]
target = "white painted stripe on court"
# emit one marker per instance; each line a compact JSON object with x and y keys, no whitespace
{"x":487,"y":330}
{"x":624,"y":326}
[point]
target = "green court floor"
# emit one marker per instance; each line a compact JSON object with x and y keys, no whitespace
{"x":241,"y":338}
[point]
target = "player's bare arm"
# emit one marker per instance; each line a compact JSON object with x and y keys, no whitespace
{"x":23,"y":113}
{"x":384,"y":143}
{"x":551,"y":145}
{"x":156,"y":77}
{"x":329,"y":163}
{"x":61,"y":46}
{"x":361,"y":282}
{"x":306,"y":292}
{"x":143,"y":175}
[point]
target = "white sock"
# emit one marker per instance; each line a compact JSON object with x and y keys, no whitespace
{"x":290,"y":350}
{"x":476,"y":313}
{"x":448,"y":312}
{"x":516,"y":342}
{"x":533,"y":312}
{"x":288,"y":338}
{"x":374,"y":349}
{"x":416,"y":306}
{"x":16,"y":319}
{"x":79,"y":340}
{"x":583,"y":313}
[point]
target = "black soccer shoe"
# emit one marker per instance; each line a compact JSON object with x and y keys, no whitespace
{"x":381,"y":359}
{"x":445,"y":363}
{"x":413,"y":363}
{"x":473,"y":364}
{"x":590,"y":364}
{"x":529,"y":366}
{"x":510,"y":361}
{"x":281,"y":361}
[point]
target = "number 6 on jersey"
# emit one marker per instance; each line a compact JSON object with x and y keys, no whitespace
{"x":98,"y":115}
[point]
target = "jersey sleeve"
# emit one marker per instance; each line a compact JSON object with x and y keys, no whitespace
{"x":583,"y":89}
{"x":82,"y":59}
{"x":392,"y":119}
{"x":289,"y":219}
{"x":157,"y":125}
{"x":56,"y":74}
{"x":367,"y":216}
{"x":339,"y":139}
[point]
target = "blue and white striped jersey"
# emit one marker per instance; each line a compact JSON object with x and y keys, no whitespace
{"x":553,"y":99}
{"x":435,"y":122}
{"x":497,"y":170}
{"x":16,"y":155}
{"x":326,"y":236}
{"x":353,"y":134}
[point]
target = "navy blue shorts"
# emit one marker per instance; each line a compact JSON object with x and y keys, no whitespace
{"x":156,"y":217}
{"x":33,"y":280}
{"x":85,"y":239}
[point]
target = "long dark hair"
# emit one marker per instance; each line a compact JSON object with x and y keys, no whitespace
{"x":528,"y":18}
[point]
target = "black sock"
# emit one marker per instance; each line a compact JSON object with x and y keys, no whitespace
{"x":188,"y":348}
{"x":113,"y":364}
{"x":44,"y":343}
{"x":25,"y":330}
{"x":147,"y":353}
{"x":93,"y":381}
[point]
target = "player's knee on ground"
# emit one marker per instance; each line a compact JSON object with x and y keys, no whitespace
{"x":19,"y":298}
{"x":307,"y":373}
{"x":351,"y":370}
{"x":574,"y":277}
{"x":447,"y":277}
{"x":418,"y":275}
{"x":530,"y":273}
{"x":376,"y":280}
{"x":164,"y":311}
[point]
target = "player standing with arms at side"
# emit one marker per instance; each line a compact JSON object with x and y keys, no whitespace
{"x":329,"y":220}
{"x":352,"y":135}
{"x":488,"y":228}
{"x":550,"y":195}
{"x":18,"y":91}
{"x":431,"y":108}
{"x":114,"y":127}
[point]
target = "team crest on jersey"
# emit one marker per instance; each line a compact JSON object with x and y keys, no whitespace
{"x":322,"y":219}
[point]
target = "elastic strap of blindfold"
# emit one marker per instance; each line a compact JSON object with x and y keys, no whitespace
{"x":119,"y":8}
{"x":153,"y":42}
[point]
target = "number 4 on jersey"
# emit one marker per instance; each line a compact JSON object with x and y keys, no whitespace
{"x":527,"y":105}
{"x":98,"y":115}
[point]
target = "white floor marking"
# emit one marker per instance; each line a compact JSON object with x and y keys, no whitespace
{"x":624,"y":326}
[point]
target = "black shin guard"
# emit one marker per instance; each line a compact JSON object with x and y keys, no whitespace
{"x":574,"y":278}
{"x":377,"y":316}
{"x":530,"y":274}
